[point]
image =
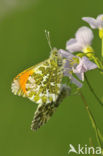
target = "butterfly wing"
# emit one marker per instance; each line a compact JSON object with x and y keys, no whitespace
{"x":40,"y":83}
{"x":18,"y":86}
{"x":45,"y":111}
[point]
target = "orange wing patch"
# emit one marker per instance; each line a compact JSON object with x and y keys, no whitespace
{"x":19,"y":83}
{"x":23,"y":79}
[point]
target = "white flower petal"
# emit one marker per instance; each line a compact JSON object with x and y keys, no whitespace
{"x":80,"y":76}
{"x":89,"y":65}
{"x":65,"y":54}
{"x":74,"y":80}
{"x":84,"y":36}
{"x":83,"y":39}
{"x":74,"y":47}
{"x":71,"y":41}
{"x":84,"y":65}
{"x":67,"y":66}
{"x":81,"y":68}
{"x":100,"y":21}
{"x":91,"y":21}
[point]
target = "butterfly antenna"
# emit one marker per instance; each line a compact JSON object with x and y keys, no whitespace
{"x":47,"y":33}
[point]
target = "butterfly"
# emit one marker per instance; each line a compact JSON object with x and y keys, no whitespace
{"x":42,"y":84}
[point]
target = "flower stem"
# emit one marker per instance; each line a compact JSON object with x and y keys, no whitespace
{"x":97,"y":62}
{"x":93,"y":92}
{"x":91,"y":118}
{"x":102,"y":48}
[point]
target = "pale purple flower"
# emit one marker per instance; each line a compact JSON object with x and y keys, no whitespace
{"x":71,"y":66}
{"x":94,"y":23}
{"x":65,"y":54}
{"x":84,"y":65}
{"x":81,"y":42}
{"x":73,"y":79}
{"x":68,"y":65}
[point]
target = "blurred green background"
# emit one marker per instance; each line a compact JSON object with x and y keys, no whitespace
{"x":23,"y":44}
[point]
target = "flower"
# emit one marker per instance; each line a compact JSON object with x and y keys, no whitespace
{"x":78,"y":66}
{"x":69,"y":61}
{"x":81,"y":42}
{"x":95,"y":23}
{"x":84,"y":65}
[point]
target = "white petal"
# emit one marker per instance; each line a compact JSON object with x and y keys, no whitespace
{"x":100,"y":21}
{"x":71,"y":41}
{"x":84,"y":36}
{"x":65,"y":54}
{"x":90,"y":65}
{"x":74,"y":47}
{"x":81,"y":67}
{"x":91,"y":21}
{"x":74,"y":80}
{"x":84,"y":65}
{"x":67,"y":65}
{"x":80,"y":76}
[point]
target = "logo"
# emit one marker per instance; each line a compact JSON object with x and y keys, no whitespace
{"x":84,"y":150}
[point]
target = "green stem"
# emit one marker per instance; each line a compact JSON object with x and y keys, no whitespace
{"x":102,"y":48}
{"x":93,"y":92}
{"x":100,"y":135}
{"x":101,"y":70}
{"x":91,"y":118}
{"x":97,"y":62}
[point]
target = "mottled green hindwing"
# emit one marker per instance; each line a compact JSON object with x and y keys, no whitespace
{"x":45,"y":111}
